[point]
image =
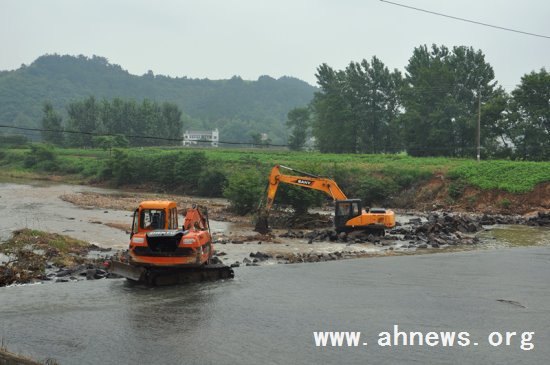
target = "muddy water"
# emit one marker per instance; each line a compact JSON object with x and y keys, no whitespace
{"x":515,"y":236}
{"x":267,"y":315}
{"x":37,"y":205}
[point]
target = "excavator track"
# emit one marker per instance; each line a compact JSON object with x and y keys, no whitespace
{"x":171,"y":276}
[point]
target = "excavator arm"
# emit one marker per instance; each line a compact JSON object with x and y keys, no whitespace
{"x":194,"y":219}
{"x":326,"y":185}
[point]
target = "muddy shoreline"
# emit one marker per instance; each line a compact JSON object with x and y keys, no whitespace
{"x":10,"y":358}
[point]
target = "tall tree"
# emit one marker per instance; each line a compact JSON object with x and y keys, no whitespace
{"x":298,"y":120}
{"x":357,"y":108}
{"x":373,"y":93}
{"x":530,"y":110}
{"x":172,"y":123}
{"x":83,"y":118}
{"x":52,"y":121}
{"x":333,"y":125}
{"x":442,"y":92}
{"x":497,"y":126}
{"x":124,"y":117}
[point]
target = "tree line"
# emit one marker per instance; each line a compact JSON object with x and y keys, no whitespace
{"x":237,"y":107}
{"x":116,"y":118}
{"x":431,"y":110}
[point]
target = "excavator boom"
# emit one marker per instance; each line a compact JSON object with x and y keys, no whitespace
{"x":324,"y":184}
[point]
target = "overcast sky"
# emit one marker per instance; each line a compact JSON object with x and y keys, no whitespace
{"x":217,"y":39}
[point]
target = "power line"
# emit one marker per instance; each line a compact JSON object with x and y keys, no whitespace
{"x":135,"y":136}
{"x":466,"y":20}
{"x":455,"y":148}
{"x":389,"y":150}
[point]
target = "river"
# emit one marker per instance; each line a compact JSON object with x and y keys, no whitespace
{"x":268,"y":314}
{"x":37,"y":205}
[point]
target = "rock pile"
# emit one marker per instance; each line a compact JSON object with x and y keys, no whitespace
{"x":542,"y":219}
{"x":490,"y":220}
{"x":302,"y":221}
{"x":438,"y":230}
{"x":21,"y":272}
{"x":293,"y":258}
{"x":447,"y":224}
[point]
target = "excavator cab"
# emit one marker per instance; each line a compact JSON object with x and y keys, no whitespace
{"x":344,"y":211}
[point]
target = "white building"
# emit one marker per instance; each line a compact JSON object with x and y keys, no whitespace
{"x":310,"y":144}
{"x":201,"y":138}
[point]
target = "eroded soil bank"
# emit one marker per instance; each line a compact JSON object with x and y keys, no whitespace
{"x":439,"y":194}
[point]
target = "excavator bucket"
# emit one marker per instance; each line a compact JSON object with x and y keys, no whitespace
{"x":261,"y":225}
{"x":171,"y":276}
{"x":126,"y":271}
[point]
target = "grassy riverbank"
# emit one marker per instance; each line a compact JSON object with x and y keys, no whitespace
{"x":378,"y":179}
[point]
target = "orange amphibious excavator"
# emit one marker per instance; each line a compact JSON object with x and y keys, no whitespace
{"x":160,"y":253}
{"x":349,"y":214}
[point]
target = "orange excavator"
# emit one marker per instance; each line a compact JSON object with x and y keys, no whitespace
{"x":349,"y":214}
{"x":160,"y":253}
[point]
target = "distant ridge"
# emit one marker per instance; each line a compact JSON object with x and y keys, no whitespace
{"x":238,"y":107}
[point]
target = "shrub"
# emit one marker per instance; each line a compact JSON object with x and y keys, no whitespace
{"x":376,"y":191}
{"x":244,"y":191}
{"x":69,"y":167}
{"x":48,"y":166}
{"x":505,"y":203}
{"x":41,"y":157}
{"x":212,"y":183}
{"x":118,"y":168}
{"x":188,"y":168}
{"x":13,"y":140}
{"x":110,"y":142}
{"x":406,"y":178}
{"x":456,"y":188}
{"x":163,"y":170}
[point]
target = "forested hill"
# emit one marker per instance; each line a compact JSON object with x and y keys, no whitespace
{"x":236,"y":106}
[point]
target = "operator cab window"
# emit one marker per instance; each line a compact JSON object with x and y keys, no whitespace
{"x":343,"y":209}
{"x":135,"y":222}
{"x":152,"y":219}
{"x":173,"y":219}
{"x":355,"y":209}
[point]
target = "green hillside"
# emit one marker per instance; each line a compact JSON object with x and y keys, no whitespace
{"x":238,"y":107}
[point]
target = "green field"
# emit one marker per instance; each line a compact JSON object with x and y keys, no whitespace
{"x":194,"y":170}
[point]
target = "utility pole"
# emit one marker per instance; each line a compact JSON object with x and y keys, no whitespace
{"x":478,"y":124}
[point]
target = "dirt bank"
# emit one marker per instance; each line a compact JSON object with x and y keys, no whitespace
{"x":439,"y":194}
